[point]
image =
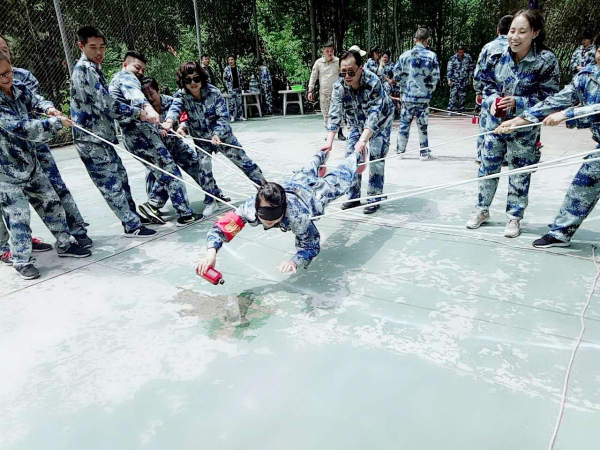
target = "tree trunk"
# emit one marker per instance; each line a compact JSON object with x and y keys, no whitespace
{"x":313,"y":29}
{"x":370,"y":23}
{"x":396,"y":35}
{"x":256,"y":30}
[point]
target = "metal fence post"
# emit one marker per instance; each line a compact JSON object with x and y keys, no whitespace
{"x":197,"y":18}
{"x":63,"y":35}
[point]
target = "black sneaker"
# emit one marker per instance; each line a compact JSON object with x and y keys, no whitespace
{"x":340,"y":135}
{"x":371,"y":209}
{"x":140,"y":233}
{"x":38,"y":246}
{"x":351,"y":204}
{"x":152,"y":213}
{"x":547,"y":241}
{"x":28,"y":272}
{"x":186,"y":220}
{"x":74,"y":251}
{"x":84,"y":241}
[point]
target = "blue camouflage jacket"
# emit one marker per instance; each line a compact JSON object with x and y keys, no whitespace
{"x":92,"y":106}
{"x":264,"y":76}
{"x":417,"y":73}
{"x":27,"y":78}
{"x":126,"y":89}
{"x":207,"y":116}
{"x":582,"y":57}
{"x":368,"y":107}
{"x":531,"y":81}
{"x":19,"y":133}
{"x":372,"y":65}
{"x":496,"y":46}
{"x":580,"y":97}
{"x":228,"y":78}
{"x":460,"y":70}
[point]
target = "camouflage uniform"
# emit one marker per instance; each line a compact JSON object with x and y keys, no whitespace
{"x":196,"y":164}
{"x":582,"y":57}
{"x":372,"y":65}
{"x":416,"y":73}
{"x":459,"y":72}
{"x":207,"y":117}
{"x":584,"y":192}
{"x":307,"y":195}
{"x":368,"y":107}
{"x":22,"y":180}
{"x":498,"y":45}
{"x":266,"y":88}
{"x":142,"y":139}
{"x":234,"y":101}
{"x":532,"y":80}
{"x":93,"y":108}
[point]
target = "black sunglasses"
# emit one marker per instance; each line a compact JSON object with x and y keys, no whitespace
{"x":190,"y":80}
{"x":350,"y":73}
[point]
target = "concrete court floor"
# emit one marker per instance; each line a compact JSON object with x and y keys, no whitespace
{"x":407,"y":331}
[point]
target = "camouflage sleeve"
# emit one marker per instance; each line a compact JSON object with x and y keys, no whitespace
{"x":222,"y":127}
{"x":590,"y":59}
{"x":308,"y":245}
{"x":548,"y":84}
{"x":132,"y":90}
{"x":435,"y":73}
{"x":38,"y":102}
{"x":477,"y":83}
{"x":377,"y":97}
{"x":246,"y":211}
{"x":176,"y":107}
{"x":400,"y":75}
{"x":564,"y":99}
{"x":573,"y":63}
{"x":471,"y":67}
{"x":336,"y":110}
{"x":28,"y":129}
{"x":581,"y":110}
{"x":449,"y":71}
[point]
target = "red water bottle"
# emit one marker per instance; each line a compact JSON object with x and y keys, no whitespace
{"x":322,"y":171}
{"x":500,"y":112}
{"x":212,"y":275}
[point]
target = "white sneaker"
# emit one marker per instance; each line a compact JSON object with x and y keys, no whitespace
{"x":210,"y":209}
{"x":478,"y":219}
{"x":243,"y":119}
{"x":426,"y":157}
{"x":513,"y":228}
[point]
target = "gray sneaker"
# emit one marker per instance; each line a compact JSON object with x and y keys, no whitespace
{"x":513,"y":228}
{"x":478,"y":219}
{"x":28,"y":272}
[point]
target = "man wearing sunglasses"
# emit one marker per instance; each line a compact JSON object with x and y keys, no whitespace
{"x":417,"y":73}
{"x":142,"y":138}
{"x":359,"y":97}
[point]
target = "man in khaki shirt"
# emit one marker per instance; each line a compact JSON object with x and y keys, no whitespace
{"x":325,"y":70}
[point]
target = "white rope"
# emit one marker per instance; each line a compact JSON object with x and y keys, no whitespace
{"x":451,"y":112}
{"x":427,"y":189}
{"x":563,"y":399}
{"x":541,"y":164}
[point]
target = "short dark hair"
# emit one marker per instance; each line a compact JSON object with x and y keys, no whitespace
{"x":357,"y":58}
{"x":328,"y":44}
{"x":135,"y":55}
{"x":587,"y":34}
{"x":204,"y":55}
{"x":84,"y":33}
{"x":188,"y":68}
{"x":150,"y":82}
{"x":374,"y":49}
{"x":387,"y":52}
{"x":504,"y":24}
{"x":422,"y":34}
{"x":232,"y":56}
{"x":272,"y":193}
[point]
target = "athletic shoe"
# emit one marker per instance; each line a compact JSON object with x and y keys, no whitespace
{"x":340,"y":135}
{"x":38,"y":246}
{"x":243,"y":119}
{"x":6,"y":258}
{"x":140,"y":233}
{"x":28,"y":272}
{"x":74,"y":251}
{"x":210,"y":209}
{"x":547,"y":241}
{"x":371,"y":209}
{"x":351,"y":204}
{"x":513,"y":228}
{"x":477,"y":220}
{"x":426,"y":157}
{"x":187,"y":220}
{"x":151,"y":212}
{"x":84,"y":241}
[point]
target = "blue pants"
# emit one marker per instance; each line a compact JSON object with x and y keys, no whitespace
{"x":379,"y":145}
{"x":106,"y":170}
{"x":420,"y":111}
{"x":235,"y":104}
{"x":582,"y":196}
{"x":458,"y":93}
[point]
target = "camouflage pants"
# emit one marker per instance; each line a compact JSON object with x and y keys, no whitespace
{"x":582,"y":196}
{"x":106,"y":170}
{"x":235,"y":104}
{"x":267,"y":92}
{"x":334,"y":184}
{"x":4,"y":236}
{"x":14,"y":202}
{"x":458,"y":93}
{"x":238,"y":157}
{"x":520,"y":151}
{"x":196,"y":164}
{"x":409,"y":111}
{"x":148,"y":145}
{"x":379,"y":145}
